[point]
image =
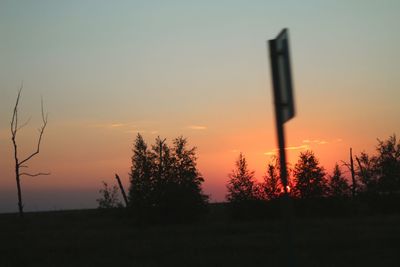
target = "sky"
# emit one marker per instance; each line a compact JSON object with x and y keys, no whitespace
{"x":108,"y":70}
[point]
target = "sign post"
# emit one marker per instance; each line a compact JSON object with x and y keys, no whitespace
{"x":284,"y":111}
{"x":283,"y":93}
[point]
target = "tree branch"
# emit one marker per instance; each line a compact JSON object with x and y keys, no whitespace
{"x":14,"y":120}
{"x":363,"y":172}
{"x":41,"y":131}
{"x":35,"y":174}
{"x":24,"y":124}
{"x":344,"y":163}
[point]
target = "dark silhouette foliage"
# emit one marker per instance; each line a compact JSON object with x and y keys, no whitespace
{"x":316,"y":194}
{"x":309,"y":177}
{"x":241,"y":185}
{"x":338,"y":186}
{"x":187,"y":180}
{"x":366,"y":174}
{"x":380,"y":174}
{"x":141,"y":177}
{"x":388,"y":165}
{"x":165,"y":184}
{"x":108,"y":197}
{"x":271,"y":187}
{"x":244,"y":194}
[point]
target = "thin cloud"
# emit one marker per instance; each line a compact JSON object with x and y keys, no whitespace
{"x":315,"y":141}
{"x":141,"y":131}
{"x":197,"y":127}
{"x":275,"y":151}
{"x":110,"y":125}
{"x":113,"y":125}
{"x":307,"y":144}
{"x":297,"y":147}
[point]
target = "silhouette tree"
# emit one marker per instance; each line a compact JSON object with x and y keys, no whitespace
{"x":309,"y":177}
{"x":271,"y":187}
{"x":184,"y":191}
{"x":165,"y":181}
{"x":388,"y":165}
{"x":350,"y":166}
{"x":354,"y":185}
{"x":109,"y":197}
{"x":241,"y":185}
{"x":163,"y":176}
{"x":338,"y":186}
{"x":380,"y":173}
{"x":186,"y":173}
{"x":141,"y":192}
{"x":23,"y":163}
{"x":367,"y":173}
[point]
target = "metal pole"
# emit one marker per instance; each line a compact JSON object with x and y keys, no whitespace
{"x":287,"y":210}
{"x":278,"y":114}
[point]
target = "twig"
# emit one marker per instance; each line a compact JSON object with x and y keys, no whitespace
{"x":34,"y":175}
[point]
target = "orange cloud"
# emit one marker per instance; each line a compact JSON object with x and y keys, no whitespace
{"x":197,"y":127}
{"x":297,"y":147}
{"x":110,"y":125}
{"x":315,"y":141}
{"x":113,"y":125}
{"x":141,"y":131}
{"x":275,"y":151}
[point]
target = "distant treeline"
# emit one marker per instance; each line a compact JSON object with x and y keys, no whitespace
{"x":376,"y":186}
{"x":165,"y":184}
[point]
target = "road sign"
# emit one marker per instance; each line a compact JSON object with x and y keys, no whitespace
{"x":281,"y":75}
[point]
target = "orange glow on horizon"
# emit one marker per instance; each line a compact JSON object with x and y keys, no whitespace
{"x":104,"y":151}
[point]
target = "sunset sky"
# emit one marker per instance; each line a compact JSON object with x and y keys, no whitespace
{"x":108,"y":70}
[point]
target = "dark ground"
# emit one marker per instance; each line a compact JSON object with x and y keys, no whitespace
{"x":95,"y":238}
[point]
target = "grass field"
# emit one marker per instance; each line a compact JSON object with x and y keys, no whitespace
{"x":94,"y":238}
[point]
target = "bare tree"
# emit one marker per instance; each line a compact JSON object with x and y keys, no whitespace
{"x":122,"y":190}
{"x":350,"y":166}
{"x":23,"y":163}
